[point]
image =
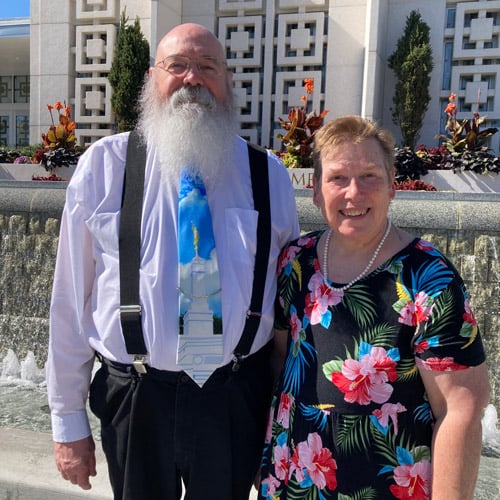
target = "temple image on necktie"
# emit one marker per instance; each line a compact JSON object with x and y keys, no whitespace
{"x":200,"y":342}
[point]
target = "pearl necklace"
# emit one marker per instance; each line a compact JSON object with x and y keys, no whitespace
{"x":363,"y":273}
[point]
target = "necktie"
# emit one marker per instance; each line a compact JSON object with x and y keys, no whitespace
{"x":200,"y":347}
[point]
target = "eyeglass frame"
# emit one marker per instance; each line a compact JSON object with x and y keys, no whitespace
{"x":191,"y":64}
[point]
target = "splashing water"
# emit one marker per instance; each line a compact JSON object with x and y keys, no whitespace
{"x":23,"y":395}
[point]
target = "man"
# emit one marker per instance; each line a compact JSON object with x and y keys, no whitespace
{"x":167,"y":424}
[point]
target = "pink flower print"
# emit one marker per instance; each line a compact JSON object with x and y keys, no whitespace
{"x":412,"y":481}
{"x":282,"y":462}
{"x":320,"y":298}
{"x":284,"y":409}
{"x":468,"y":315}
{"x":312,"y":461}
{"x":295,"y":325}
{"x":286,"y":257}
{"x":425,"y":246}
{"x":269,"y":486}
{"x":306,"y":241}
{"x":386,"y":412}
{"x":366,"y":380}
{"x":416,"y":312}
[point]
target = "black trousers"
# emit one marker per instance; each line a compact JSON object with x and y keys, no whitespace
{"x":160,"y":427}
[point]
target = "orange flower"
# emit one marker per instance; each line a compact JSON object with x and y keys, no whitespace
{"x":303,"y":98}
{"x":452,"y":97}
{"x":58,"y":105}
{"x":309,"y":85}
{"x":450,"y":108}
{"x":50,"y":107}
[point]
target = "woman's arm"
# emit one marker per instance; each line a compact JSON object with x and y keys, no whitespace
{"x":457,"y":400}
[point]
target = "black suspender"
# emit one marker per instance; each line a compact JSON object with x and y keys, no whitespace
{"x":261,"y":201}
{"x":130,"y":249}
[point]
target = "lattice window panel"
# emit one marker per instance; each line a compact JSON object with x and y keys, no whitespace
{"x":22,"y":130}
{"x":4,"y":130}
{"x":22,"y":89}
{"x":300,"y":39}
{"x":6,"y":89}
{"x":93,"y":100}
{"x":271,"y":47}
{"x":476,"y":32}
{"x":102,"y":10}
{"x":95,"y":41}
{"x":242,"y":37}
{"x":95,"y":47}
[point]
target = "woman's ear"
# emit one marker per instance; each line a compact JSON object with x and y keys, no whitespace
{"x":392,"y":193}
{"x":316,"y":192}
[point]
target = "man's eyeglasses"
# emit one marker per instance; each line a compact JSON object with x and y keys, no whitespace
{"x":180,"y":65}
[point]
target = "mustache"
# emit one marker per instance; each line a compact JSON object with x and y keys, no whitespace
{"x":193,"y":95}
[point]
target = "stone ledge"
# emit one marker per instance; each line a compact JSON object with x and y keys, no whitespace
{"x":415,"y":210}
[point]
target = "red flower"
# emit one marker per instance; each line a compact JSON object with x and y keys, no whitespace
{"x":366,"y":381}
{"x":413,"y":481}
{"x":440,"y":365}
{"x":312,"y":460}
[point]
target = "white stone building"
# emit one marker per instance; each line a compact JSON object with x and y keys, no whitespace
{"x":272,"y":45}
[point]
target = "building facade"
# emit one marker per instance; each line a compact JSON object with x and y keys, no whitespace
{"x":271,"y":46}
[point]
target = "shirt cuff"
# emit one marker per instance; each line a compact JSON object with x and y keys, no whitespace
{"x":70,"y":427}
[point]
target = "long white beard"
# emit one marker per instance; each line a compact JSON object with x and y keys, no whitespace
{"x":189,"y":131}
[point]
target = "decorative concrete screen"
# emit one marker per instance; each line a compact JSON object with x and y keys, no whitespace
{"x":271,"y":46}
{"x":96,"y":28}
{"x":472,"y":42}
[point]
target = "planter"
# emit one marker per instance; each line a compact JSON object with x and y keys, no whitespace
{"x":463,"y":182}
{"x":25,"y":172}
{"x":302,"y":178}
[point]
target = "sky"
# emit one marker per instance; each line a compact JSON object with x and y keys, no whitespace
{"x":14,"y":8}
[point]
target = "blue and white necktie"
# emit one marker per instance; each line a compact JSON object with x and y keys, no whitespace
{"x":200,"y":343}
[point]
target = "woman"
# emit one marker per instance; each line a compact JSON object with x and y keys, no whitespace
{"x":384,"y":379}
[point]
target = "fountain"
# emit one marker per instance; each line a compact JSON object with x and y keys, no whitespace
{"x":466,"y":227}
{"x":23,"y":403}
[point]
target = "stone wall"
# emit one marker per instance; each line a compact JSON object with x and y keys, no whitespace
{"x":465,"y":227}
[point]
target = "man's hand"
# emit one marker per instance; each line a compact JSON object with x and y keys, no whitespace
{"x":76,"y":461}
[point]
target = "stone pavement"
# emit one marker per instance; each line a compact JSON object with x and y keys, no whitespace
{"x":28,"y":471}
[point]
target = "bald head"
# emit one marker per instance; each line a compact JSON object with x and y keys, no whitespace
{"x":190,"y":38}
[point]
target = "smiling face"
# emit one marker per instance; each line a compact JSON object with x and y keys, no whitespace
{"x":355,"y":190}
{"x":197,"y":44}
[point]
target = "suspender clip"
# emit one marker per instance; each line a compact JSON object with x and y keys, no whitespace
{"x":135,"y":309}
{"x":140,"y":363}
{"x":237,"y":359}
{"x":255,"y":314}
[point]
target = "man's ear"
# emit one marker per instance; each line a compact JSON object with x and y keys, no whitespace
{"x":229,"y":79}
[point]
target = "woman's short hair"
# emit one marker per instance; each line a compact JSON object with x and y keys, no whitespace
{"x":352,"y":129}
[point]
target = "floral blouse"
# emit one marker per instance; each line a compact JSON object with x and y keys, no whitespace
{"x":350,"y":418}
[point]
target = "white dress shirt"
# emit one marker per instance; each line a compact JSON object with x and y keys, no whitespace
{"x":84,"y":314}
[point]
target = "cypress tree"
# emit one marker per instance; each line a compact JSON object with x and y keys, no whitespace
{"x":126,"y":76}
{"x":412,"y":64}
